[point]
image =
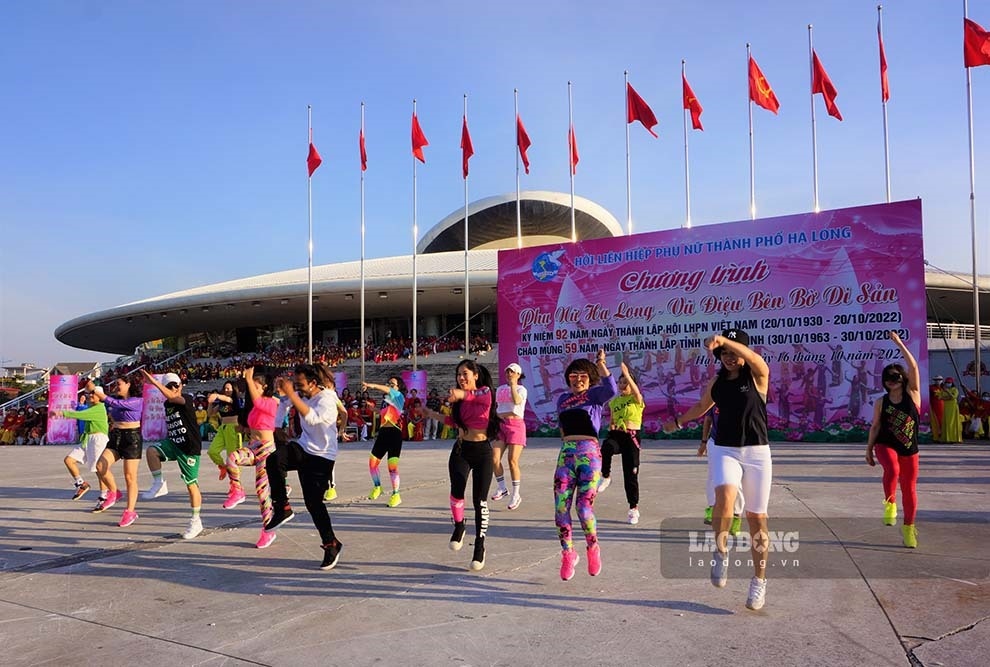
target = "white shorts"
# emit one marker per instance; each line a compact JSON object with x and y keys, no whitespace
{"x":749,"y":468}
{"x":91,"y":453}
{"x":737,"y":507}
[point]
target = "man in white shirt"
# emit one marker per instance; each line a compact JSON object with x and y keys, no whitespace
{"x":312,"y":453}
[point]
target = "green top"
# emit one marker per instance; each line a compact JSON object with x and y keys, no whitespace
{"x":626,"y":413}
{"x":95,"y":417}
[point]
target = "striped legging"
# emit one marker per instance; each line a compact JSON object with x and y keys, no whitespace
{"x":256,"y":453}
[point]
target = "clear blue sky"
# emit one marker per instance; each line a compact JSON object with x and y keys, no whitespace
{"x":153,"y":147}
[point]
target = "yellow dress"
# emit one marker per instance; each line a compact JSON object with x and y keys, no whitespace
{"x":951,"y":425}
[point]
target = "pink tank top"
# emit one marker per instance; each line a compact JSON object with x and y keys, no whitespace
{"x":262,"y":415}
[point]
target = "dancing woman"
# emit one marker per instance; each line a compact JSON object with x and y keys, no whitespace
{"x":227,"y":439}
{"x":579,"y":465}
{"x":739,"y":457}
{"x":260,"y":445}
{"x":388,"y":441}
{"x":510,"y":399}
{"x":623,"y":439}
{"x":473,"y":413}
{"x":893,"y":440}
{"x":124,"y":406}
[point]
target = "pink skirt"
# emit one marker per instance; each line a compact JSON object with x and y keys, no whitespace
{"x":513,"y":432}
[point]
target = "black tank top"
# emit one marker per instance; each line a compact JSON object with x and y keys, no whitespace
{"x":742,"y":412}
{"x":899,"y":425}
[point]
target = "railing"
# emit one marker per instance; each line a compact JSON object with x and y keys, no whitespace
{"x":957,"y":331}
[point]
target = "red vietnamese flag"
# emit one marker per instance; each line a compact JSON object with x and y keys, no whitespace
{"x":976,"y":44}
{"x":313,"y":160}
{"x":572,"y":146}
{"x":467,"y":148}
{"x":418,"y":140}
{"x":364,"y":152}
{"x":692,"y":104}
{"x":638,"y":109}
{"x":523,"y":142}
{"x":820,"y":83}
{"x":884,"y":87}
{"x":759,"y":88}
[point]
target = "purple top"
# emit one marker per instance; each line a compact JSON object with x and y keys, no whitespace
{"x":581,"y":414}
{"x":475,"y":409}
{"x":124,"y":409}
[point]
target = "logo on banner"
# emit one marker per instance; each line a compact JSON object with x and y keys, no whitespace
{"x":547,"y":265}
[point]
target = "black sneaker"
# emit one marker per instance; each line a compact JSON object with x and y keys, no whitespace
{"x":331,"y":554}
{"x":457,"y":537}
{"x":478,"y":561}
{"x":81,"y":490}
{"x":279,"y":517}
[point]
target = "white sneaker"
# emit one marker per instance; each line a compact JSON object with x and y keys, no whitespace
{"x":604,"y":483}
{"x":757,"y":593}
{"x":720,"y":569}
{"x":194,"y":529}
{"x":158,"y":489}
{"x":633,"y":516}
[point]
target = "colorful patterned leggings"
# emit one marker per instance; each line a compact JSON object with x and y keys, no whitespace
{"x":579,"y":469}
{"x":256,"y":453}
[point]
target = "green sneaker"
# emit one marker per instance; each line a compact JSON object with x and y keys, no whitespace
{"x":889,"y":513}
{"x":910,"y":534}
{"x":395,"y":500}
{"x":375,"y":492}
{"x":331,"y":494}
{"x":736,"y":525}
{"x":708,"y":515}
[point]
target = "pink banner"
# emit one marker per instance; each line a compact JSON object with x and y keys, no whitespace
{"x":63,"y":394}
{"x":817,"y":293}
{"x":417,"y":380}
{"x":153,"y":412}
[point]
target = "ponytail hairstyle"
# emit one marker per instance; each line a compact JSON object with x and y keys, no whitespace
{"x":484,"y":381}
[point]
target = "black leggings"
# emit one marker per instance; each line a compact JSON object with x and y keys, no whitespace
{"x":475,"y":458}
{"x":315,"y":473}
{"x":624,"y":443}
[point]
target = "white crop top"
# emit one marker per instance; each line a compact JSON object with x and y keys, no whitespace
{"x":503,"y":400}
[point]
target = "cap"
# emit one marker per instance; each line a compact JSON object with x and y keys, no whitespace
{"x":515,"y":368}
{"x":736,"y":335}
{"x":938,"y":378}
{"x":169,"y":378}
{"x":949,"y":381}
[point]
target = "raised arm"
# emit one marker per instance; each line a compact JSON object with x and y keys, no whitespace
{"x":914,"y":376}
{"x":632,"y":384}
{"x":251,"y":386}
{"x":171,"y":395}
{"x":757,"y":364}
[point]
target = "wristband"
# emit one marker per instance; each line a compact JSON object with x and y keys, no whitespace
{"x":677,"y":423}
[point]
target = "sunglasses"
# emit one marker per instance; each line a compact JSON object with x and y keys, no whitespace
{"x":172,"y":385}
{"x":893,"y":378}
{"x":578,"y":375}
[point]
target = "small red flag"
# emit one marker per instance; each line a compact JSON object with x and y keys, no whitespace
{"x":523,"y":142}
{"x":759,"y":88}
{"x":572,"y":145}
{"x":467,"y":148}
{"x":638,"y":109}
{"x":976,"y":44}
{"x":313,"y":160}
{"x":820,"y":83}
{"x":418,"y":140}
{"x":364,"y":151}
{"x":884,"y":86}
{"x":692,"y":104}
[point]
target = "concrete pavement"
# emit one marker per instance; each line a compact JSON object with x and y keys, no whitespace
{"x":76,"y":588}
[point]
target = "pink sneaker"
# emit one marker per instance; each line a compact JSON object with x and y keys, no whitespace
{"x":234,"y":498}
{"x":127,"y":518}
{"x":111,"y":500}
{"x":594,"y":560}
{"x":266,"y":539}
{"x":568,"y":561}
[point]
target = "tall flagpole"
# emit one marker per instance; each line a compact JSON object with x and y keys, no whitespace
{"x":570,"y":156}
{"x":752,"y":164}
{"x":361,"y":166}
{"x":309,"y":273}
{"x":415,"y":345}
{"x":515,"y":95}
{"x":467,"y":303}
{"x":883,"y":99}
{"x":972,"y":217}
{"x":625,"y":90}
{"x":687,"y":170}
{"x":814,"y":132}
